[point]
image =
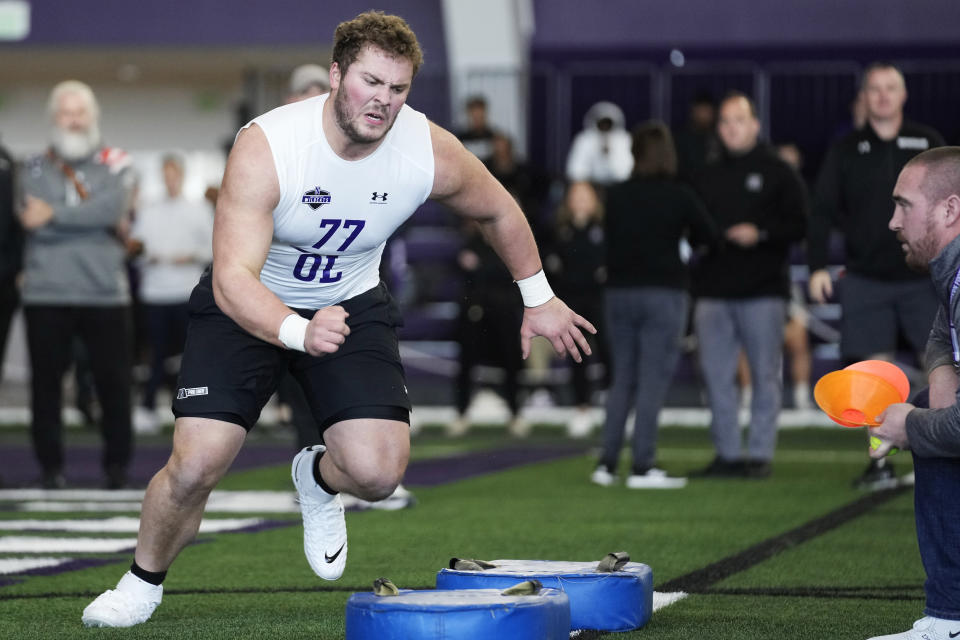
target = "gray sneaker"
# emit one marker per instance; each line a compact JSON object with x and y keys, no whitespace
{"x":324,"y":527}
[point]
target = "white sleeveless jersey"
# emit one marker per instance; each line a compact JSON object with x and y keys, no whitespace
{"x":335,"y":215}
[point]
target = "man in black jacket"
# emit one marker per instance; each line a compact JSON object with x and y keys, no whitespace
{"x":760,"y":205}
{"x":11,"y":251}
{"x":880,"y":297}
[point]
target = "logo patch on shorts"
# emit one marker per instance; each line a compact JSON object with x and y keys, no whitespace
{"x":183,"y":393}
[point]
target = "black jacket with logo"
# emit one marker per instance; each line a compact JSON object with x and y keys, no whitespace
{"x":759,"y":188}
{"x":853,"y":193}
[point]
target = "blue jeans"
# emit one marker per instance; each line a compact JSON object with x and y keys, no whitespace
{"x":644,"y":328}
{"x":937,"y":513}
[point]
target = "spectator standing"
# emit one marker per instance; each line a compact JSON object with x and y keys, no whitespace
{"x":796,"y":340}
{"x":75,"y":282}
{"x":307,"y":81}
{"x":646,"y":300}
{"x":759,"y":204}
{"x":488,"y":315}
{"x":173,"y":240}
{"x":524,"y":182}
{"x":697,"y":142}
{"x":576,"y":264}
{"x":11,"y":251}
{"x":478,"y":135}
{"x":600,"y":153}
{"x":879,"y":296}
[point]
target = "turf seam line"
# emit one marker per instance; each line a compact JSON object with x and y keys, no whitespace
{"x":188,"y":592}
{"x":893,"y":594}
{"x":701,"y":580}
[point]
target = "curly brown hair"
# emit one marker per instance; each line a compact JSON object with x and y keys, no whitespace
{"x":390,"y":33}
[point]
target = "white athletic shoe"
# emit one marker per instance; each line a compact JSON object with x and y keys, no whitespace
{"x":401,"y":498}
{"x":458,"y":427}
{"x":132,"y":602}
{"x":519,"y":428}
{"x":928,"y":628}
{"x":146,"y":422}
{"x":602,"y":476}
{"x":324,"y":528}
{"x":655,"y":479}
{"x":801,"y":396}
{"x":580,"y":425}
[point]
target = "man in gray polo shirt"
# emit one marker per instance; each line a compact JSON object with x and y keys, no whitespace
{"x":75,"y":285}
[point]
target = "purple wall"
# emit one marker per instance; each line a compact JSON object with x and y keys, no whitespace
{"x":632,"y":24}
{"x":216,"y":23}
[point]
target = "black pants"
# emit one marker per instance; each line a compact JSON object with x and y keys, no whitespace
{"x":489,"y":332}
{"x":590,"y":306}
{"x":9,"y":299}
{"x":105,"y":332}
{"x":167,"y":327}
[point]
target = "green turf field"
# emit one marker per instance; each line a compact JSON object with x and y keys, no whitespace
{"x":799,"y":555}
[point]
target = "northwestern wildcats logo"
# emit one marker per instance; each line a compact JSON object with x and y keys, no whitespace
{"x":316,"y":198}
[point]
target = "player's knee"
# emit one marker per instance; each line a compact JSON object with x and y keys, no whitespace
{"x":377,"y":481}
{"x":191,"y":477}
{"x":378,"y":489}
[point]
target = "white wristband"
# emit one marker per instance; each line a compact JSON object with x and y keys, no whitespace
{"x":293,"y":332}
{"x":535,"y":290}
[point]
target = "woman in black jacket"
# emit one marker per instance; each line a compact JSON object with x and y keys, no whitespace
{"x":651,"y":221}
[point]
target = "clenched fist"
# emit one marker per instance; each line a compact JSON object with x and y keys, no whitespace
{"x":327,"y":331}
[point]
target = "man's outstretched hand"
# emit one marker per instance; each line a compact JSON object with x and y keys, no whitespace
{"x":556,"y":322}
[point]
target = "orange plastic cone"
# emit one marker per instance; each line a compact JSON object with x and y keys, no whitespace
{"x":853,"y":398}
{"x":888,"y":371}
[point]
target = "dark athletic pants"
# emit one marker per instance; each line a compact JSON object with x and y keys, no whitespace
{"x":105,"y":331}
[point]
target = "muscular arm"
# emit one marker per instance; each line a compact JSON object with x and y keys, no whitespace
{"x":463,"y":183}
{"x":242,"y":233}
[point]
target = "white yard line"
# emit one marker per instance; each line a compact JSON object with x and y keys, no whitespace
{"x":120,"y":524}
{"x":39,"y":544}
{"x":79,"y":500}
{"x":19,"y":565}
{"x":661,"y":600}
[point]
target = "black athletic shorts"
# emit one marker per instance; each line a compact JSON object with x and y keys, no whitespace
{"x":227,"y":374}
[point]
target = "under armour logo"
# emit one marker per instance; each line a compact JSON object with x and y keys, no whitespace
{"x":863,"y":147}
{"x":379,"y":196}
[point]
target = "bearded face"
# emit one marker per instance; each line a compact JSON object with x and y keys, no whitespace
{"x":73,"y":144}
{"x":346,"y":121}
{"x":75,"y":133}
{"x":914,"y":219}
{"x":369,"y":94}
